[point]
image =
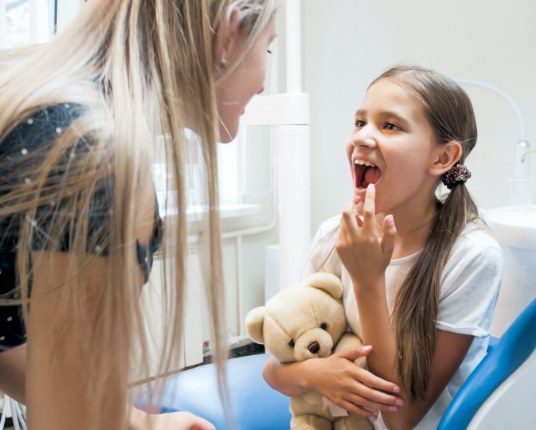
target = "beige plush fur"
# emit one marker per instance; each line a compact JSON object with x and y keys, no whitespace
{"x":303,"y":322}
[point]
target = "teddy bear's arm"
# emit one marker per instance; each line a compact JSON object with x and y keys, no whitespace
{"x":350,"y":340}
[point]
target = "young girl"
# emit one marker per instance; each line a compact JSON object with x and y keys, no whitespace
{"x":421,"y":274}
{"x":78,"y":221}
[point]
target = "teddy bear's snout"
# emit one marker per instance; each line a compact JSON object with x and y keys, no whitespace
{"x":314,"y":347}
{"x":313,"y":343}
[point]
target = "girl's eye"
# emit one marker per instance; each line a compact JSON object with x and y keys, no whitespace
{"x":359,"y":123}
{"x":390,"y":126}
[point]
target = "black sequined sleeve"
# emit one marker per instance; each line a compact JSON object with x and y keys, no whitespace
{"x":23,"y":147}
{"x":27,"y":145}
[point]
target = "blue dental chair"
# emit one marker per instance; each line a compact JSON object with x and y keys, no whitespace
{"x":505,"y":356}
{"x":257,"y":407}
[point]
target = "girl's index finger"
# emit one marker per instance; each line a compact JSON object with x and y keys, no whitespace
{"x":369,"y":209}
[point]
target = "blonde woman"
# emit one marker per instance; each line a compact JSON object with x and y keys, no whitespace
{"x":78,"y":219}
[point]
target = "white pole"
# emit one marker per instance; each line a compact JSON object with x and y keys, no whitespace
{"x":289,"y":113}
{"x":293,"y":45}
{"x":294,"y":202}
{"x":293,"y":165}
{"x":39,"y":29}
{"x":67,"y":9}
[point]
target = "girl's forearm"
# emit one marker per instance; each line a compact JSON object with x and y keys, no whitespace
{"x":290,"y":379}
{"x":377,"y":331}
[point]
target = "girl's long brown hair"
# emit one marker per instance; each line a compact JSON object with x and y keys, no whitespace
{"x":451,"y":115}
{"x":140,"y":69}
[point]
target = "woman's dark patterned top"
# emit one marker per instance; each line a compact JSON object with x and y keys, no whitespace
{"x":28,"y":139}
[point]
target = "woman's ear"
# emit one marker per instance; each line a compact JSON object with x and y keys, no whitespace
{"x":446,"y":156}
{"x":226,"y":41}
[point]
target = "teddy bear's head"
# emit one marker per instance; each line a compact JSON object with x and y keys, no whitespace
{"x":301,"y":322}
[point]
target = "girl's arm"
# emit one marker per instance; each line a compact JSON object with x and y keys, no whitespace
{"x":366,"y":259}
{"x":338,"y":379}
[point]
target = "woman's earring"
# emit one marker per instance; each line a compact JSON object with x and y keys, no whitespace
{"x":223,"y":64}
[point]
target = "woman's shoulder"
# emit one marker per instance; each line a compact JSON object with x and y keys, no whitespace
{"x":42,"y":125}
{"x":52,"y":113}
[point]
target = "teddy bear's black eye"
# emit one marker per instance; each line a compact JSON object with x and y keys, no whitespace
{"x":291,"y":343}
{"x":324,"y":326}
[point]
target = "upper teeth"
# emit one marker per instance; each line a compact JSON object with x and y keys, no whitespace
{"x":364,"y":163}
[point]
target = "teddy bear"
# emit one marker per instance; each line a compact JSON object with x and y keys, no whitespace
{"x":303,"y":322}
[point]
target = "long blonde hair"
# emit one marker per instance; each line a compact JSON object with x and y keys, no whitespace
{"x":139,"y":69}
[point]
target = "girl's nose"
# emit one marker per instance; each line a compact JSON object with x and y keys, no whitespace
{"x":364,"y":137}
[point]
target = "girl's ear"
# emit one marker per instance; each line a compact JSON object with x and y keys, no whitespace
{"x":226,"y":41}
{"x":446,"y":156}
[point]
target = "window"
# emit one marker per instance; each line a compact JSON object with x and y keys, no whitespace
{"x":24,"y":22}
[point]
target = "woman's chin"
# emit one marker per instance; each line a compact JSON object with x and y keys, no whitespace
{"x":228,"y":132}
{"x":226,"y":136}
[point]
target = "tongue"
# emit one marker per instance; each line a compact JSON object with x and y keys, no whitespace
{"x":372,"y":175}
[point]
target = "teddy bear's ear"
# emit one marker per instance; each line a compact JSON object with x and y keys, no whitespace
{"x":255,"y":324}
{"x":326,"y":282}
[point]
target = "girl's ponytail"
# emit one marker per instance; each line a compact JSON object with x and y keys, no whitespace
{"x":416,"y":306}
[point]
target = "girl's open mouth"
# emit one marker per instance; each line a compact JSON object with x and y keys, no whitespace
{"x":366,"y":173}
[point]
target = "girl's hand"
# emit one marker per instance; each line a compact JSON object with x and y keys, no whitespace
{"x":181,"y":421}
{"x":362,"y":252}
{"x":351,"y":387}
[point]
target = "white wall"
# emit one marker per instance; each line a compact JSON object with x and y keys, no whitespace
{"x":349,"y":42}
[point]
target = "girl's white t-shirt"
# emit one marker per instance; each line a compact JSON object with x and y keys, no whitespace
{"x":470,"y":284}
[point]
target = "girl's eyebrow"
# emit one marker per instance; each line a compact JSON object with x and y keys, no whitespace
{"x":387,"y":113}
